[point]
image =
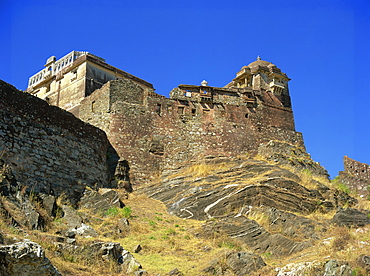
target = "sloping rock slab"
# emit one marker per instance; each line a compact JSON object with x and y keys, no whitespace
{"x":231,"y":190}
{"x":25,"y":259}
{"x":240,"y":263}
{"x":351,"y":217}
{"x":254,"y":236}
{"x":289,"y":224}
{"x":100,"y":201}
{"x":21,"y":211}
{"x":243,"y":263}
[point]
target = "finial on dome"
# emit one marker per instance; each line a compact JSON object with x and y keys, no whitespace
{"x":258,"y":57}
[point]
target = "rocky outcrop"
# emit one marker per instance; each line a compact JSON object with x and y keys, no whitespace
{"x":285,"y":153}
{"x":115,"y":252}
{"x":101,"y":200}
{"x":351,"y":217}
{"x":228,"y":191}
{"x":253,"y":235}
{"x":239,"y":263}
{"x":230,"y":186}
{"x":329,"y":268}
{"x":25,"y":259}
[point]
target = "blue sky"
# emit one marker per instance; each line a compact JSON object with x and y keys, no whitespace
{"x":323,"y":46}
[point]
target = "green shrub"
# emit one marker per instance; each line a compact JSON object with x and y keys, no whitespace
{"x":124,"y":212}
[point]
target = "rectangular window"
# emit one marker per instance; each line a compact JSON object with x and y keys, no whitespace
{"x":158,"y":109}
{"x":180,"y":110}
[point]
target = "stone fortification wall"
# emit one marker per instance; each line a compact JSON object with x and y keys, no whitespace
{"x":356,"y":176}
{"x":48,"y":149}
{"x":153,"y":133}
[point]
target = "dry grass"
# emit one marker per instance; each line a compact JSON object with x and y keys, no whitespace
{"x":204,"y":169}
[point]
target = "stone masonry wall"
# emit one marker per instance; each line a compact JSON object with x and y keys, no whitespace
{"x":356,"y":176}
{"x":49,"y":149}
{"x":159,"y":133}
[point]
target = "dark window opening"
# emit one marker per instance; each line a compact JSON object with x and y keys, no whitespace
{"x":158,"y":109}
{"x":205,"y":99}
{"x":193,"y":111}
{"x":180,"y":110}
{"x":250,"y":104}
{"x":246,"y":115}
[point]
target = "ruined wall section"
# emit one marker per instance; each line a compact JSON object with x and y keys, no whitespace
{"x":356,"y":176}
{"x":49,"y":149}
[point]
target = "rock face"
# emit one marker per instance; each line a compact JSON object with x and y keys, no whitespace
{"x":25,"y":259}
{"x":254,"y":236}
{"x":240,"y":263}
{"x":351,"y":217}
{"x":233,"y":187}
{"x":100,"y":201}
{"x":229,"y":190}
{"x":285,"y":153}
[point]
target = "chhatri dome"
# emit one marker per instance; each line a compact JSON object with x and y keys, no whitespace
{"x":260,"y":62}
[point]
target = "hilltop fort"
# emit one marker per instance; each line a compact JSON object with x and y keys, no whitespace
{"x":227,"y":156}
{"x":153,"y":132}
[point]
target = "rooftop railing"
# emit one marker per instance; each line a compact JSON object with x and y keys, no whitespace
{"x":52,"y":67}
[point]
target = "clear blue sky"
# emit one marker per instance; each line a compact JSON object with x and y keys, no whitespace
{"x":323,"y":46}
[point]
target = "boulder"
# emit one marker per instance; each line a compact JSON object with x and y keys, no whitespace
{"x":123,"y":225}
{"x":175,"y":272}
{"x":244,"y":263}
{"x":75,"y":224}
{"x":240,"y":263}
{"x":25,"y":259}
{"x":115,"y":252}
{"x":351,"y":217}
{"x":108,"y":250}
{"x":71,"y":217}
{"x":337,"y":268}
{"x":49,"y":204}
{"x":301,"y":269}
{"x":22,"y":212}
{"x":364,"y":262}
{"x":137,"y":248}
{"x":85,"y":231}
{"x":100,"y":201}
{"x":129,"y":262}
{"x":330,"y":268}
